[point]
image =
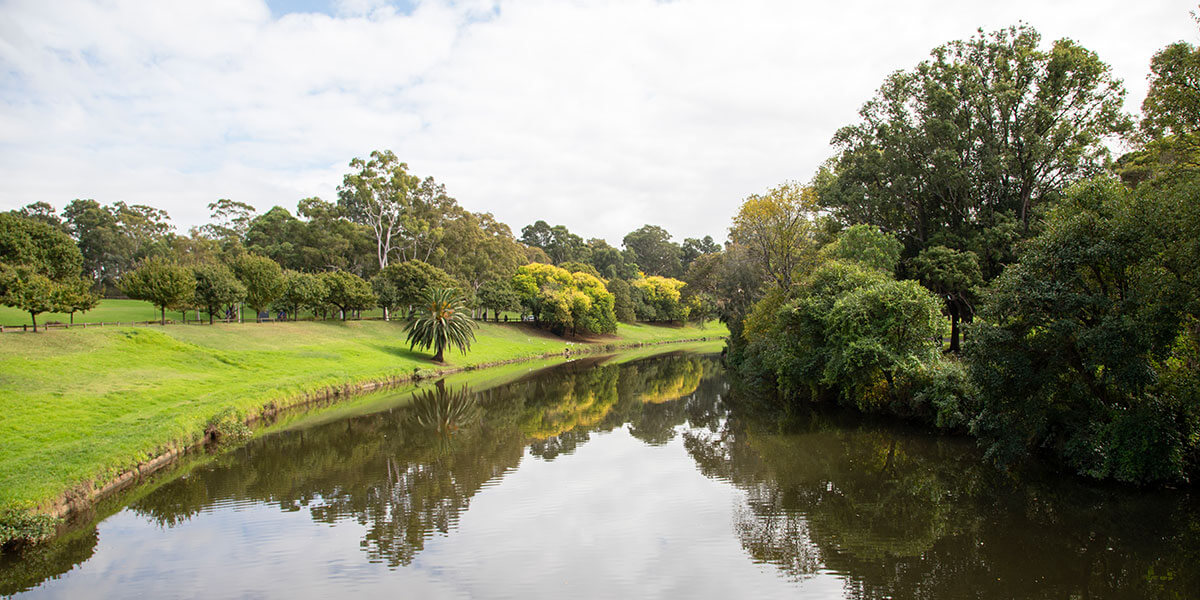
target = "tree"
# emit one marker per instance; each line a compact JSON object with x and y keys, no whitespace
{"x":978,"y":135}
{"x":302,"y":290}
{"x":378,"y":195}
{"x":867,"y":246}
{"x":663,"y":298}
{"x":1172,"y":104}
{"x":44,"y":212}
{"x":74,"y":296}
{"x":441,"y":321}
{"x":161,"y":282}
{"x":558,"y":242}
{"x":347,"y":291}
{"x":403,"y":284}
{"x":1088,"y":345}
{"x":477,"y":248}
{"x":230,"y":221}
{"x":954,"y":276}
{"x":622,"y":302}
{"x":693,"y":248}
{"x":653,"y":251}
{"x":780,"y":229}
{"x":113,"y":239}
{"x":216,"y":286}
{"x":497,"y":295}
{"x":39,"y":265}
{"x":22,"y":287}
{"x":406,"y":214}
{"x":610,"y":262}
{"x":262,"y":278}
{"x":565,"y":301}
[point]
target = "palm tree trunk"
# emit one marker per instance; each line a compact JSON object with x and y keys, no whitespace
{"x":439,"y":356}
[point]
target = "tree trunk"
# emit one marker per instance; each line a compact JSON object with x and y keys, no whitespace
{"x":210,"y":317}
{"x":33,"y":315}
{"x":439,"y":356}
{"x":385,"y":314}
{"x":954,"y":347}
{"x":163,"y":316}
{"x":72,"y":317}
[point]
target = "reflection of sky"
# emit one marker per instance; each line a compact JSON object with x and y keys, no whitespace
{"x":616,"y":518}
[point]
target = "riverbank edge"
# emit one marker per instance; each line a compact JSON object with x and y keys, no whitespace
{"x":84,"y":495}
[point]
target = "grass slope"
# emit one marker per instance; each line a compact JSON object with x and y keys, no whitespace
{"x":82,"y":405}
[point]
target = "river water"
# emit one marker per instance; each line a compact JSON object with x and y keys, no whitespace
{"x":611,"y":478}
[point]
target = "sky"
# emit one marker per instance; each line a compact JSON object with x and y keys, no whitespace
{"x":599,"y":115}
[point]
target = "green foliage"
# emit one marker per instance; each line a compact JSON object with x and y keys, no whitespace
{"x":226,"y":427}
{"x":661,"y":299}
{"x":302,"y":291}
{"x":114,"y":239}
{"x":19,"y":526}
{"x":780,"y":231}
{"x":955,"y":277}
{"x":622,"y":303}
{"x":497,"y":296}
{"x":216,"y":287}
{"x":442,"y":320}
{"x":867,"y":246}
{"x":653,"y":251}
{"x":975,"y":137}
{"x":558,"y":243}
{"x":347,"y":291}
{"x":262,"y":279}
{"x":1172,"y":104}
{"x":402,"y":285}
{"x":885,"y":328}
{"x":1079,"y":335}
{"x":41,"y":247}
{"x":578,"y":267}
{"x":564,"y":301}
{"x":24,"y":288}
{"x":161,"y":282}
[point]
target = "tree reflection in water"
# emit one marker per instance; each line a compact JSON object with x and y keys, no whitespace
{"x":895,"y":512}
{"x":904,"y":514}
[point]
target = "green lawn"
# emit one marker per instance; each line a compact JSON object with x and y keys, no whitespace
{"x":82,"y":405}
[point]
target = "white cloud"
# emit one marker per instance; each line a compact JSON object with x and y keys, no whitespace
{"x":599,"y":115}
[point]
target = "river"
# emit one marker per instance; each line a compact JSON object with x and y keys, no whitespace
{"x":610,"y":477}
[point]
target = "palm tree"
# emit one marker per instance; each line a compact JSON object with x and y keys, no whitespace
{"x":441,"y":320}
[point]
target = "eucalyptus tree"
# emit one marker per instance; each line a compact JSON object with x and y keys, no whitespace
{"x":654,"y":251}
{"x":975,"y":138}
{"x":379,"y":194}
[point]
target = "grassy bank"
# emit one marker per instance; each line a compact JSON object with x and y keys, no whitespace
{"x":81,"y":406}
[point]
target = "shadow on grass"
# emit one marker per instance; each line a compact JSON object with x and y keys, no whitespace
{"x":404,"y":352}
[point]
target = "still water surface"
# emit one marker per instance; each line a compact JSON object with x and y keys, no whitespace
{"x":603,"y":479}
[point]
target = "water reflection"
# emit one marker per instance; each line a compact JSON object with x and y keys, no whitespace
{"x":902,"y":514}
{"x":875,"y":511}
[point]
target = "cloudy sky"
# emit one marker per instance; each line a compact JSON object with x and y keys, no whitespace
{"x":600,"y":115}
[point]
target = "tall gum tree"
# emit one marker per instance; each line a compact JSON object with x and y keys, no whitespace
{"x":985,"y":129}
